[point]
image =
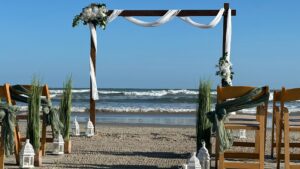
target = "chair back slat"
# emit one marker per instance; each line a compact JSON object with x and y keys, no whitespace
{"x":45,"y":90}
{"x":290,"y":94}
{"x":5,"y":94}
{"x":232,"y":92}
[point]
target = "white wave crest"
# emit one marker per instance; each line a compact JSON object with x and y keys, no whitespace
{"x":160,"y":93}
{"x":109,"y":92}
{"x":144,"y":110}
{"x":148,"y":93}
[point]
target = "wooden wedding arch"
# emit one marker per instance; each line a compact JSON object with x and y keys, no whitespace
{"x":151,"y":13}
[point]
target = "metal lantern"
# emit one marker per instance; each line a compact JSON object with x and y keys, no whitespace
{"x":58,"y":145}
{"x":193,"y":162}
{"x":27,"y":155}
{"x":75,"y":128}
{"x":89,"y":129}
{"x":204,"y":157}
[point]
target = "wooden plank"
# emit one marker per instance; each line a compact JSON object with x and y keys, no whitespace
{"x":241,"y":155}
{"x":291,"y":144}
{"x":244,"y":144}
{"x":292,"y":156}
{"x":294,"y":128}
{"x":242,"y":165}
{"x":294,"y":166}
{"x":162,"y":12}
{"x":48,"y":139}
{"x":241,"y":126}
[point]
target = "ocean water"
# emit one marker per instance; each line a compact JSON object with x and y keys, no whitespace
{"x":143,"y":106}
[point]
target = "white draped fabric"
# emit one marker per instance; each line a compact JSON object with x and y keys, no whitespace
{"x":162,"y":20}
{"x":114,"y":15}
{"x":170,"y":14}
{"x":228,"y":47}
{"x":94,"y":88}
{"x":212,"y":24}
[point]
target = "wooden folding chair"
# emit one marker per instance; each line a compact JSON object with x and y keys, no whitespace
{"x":5,"y":95}
{"x":44,"y":139}
{"x":286,"y":125}
{"x":258,"y":125}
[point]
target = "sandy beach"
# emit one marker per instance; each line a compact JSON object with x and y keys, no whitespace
{"x":124,"y":146}
{"x":131,"y":147}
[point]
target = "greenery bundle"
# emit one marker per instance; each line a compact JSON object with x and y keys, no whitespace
{"x":33,"y":119}
{"x":8,"y":116}
{"x":65,"y":107}
{"x":204,"y":105}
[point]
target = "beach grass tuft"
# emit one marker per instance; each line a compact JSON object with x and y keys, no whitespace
{"x":65,"y":107}
{"x":33,"y":119}
{"x":203,"y":125}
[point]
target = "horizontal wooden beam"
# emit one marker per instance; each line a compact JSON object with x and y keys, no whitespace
{"x":162,"y":12}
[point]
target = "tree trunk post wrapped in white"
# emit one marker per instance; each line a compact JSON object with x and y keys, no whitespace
{"x":93,"y":83}
{"x":93,"y":15}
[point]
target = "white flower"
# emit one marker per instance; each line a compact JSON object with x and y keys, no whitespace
{"x":101,"y":14}
{"x":88,"y":12}
{"x":95,"y":9}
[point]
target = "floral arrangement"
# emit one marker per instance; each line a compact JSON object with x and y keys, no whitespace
{"x":225,"y":69}
{"x":94,"y":13}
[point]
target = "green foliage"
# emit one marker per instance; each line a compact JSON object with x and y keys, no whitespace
{"x":33,"y":119}
{"x":204,"y":105}
{"x":76,"y":21}
{"x":65,"y":107}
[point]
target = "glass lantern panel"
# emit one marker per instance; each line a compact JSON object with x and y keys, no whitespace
{"x":26,"y":161}
{"x":61,"y":148}
{"x":56,"y":147}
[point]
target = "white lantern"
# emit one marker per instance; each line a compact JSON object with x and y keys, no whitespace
{"x":89,"y":129}
{"x":204,"y":157}
{"x":27,"y":155}
{"x":184,"y":166}
{"x":58,"y":145}
{"x":75,"y":128}
{"x":242,"y":133}
{"x":193,"y":162}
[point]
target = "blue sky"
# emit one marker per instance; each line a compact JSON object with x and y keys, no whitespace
{"x":36,"y":37}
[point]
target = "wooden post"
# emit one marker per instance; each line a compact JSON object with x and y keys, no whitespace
{"x":226,"y":7}
{"x":92,"y":101}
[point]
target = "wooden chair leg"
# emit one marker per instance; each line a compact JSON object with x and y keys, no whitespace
{"x":257,"y":141}
{"x":272,"y":135}
{"x":286,"y":141}
{"x":262,"y":141}
{"x":217,"y":151}
{"x":43,"y":144}
{"x":2,"y":153}
{"x":17,"y":148}
{"x":278,"y":139}
{"x":221,"y":160}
